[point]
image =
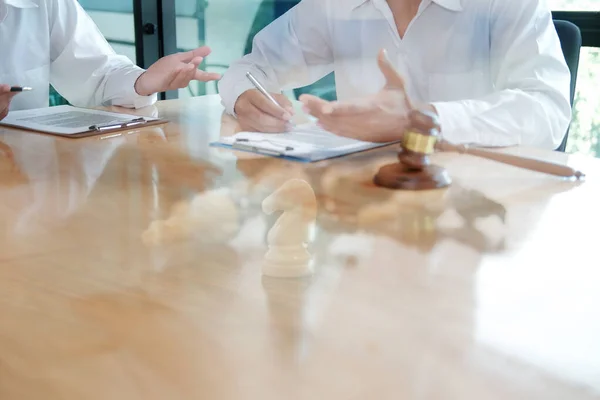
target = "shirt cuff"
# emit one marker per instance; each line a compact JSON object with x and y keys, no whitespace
{"x":232,"y":96}
{"x":132,"y":99}
{"x":456,"y":123}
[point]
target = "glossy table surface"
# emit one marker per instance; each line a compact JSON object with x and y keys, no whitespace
{"x":487,"y":290}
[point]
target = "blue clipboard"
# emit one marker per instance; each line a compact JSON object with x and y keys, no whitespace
{"x":318,"y":155}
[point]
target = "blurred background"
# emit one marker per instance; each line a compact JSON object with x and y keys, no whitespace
{"x":228,"y":26}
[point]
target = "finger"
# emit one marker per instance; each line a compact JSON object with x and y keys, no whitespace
{"x":190,"y":55}
{"x":392,"y":76}
{"x":8,"y":96}
{"x":4,"y":89}
{"x":196,"y":61}
{"x":285,"y":102}
{"x":260,"y":121}
{"x":183,"y":77}
{"x":267,"y":123}
{"x":248,"y":125}
{"x":266,"y":106}
{"x":206,"y":76}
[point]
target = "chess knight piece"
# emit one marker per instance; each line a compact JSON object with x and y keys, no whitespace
{"x":288,"y":256}
{"x":414,"y":170}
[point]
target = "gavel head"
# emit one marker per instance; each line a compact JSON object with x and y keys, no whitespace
{"x":419,"y":140}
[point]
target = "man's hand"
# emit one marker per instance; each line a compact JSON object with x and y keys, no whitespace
{"x":174,"y":72}
{"x":257,"y":113}
{"x":5,"y":97}
{"x":382,"y":117}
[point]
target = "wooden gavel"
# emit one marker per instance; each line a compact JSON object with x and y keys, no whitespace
{"x":516,"y":161}
{"x":415,"y":172}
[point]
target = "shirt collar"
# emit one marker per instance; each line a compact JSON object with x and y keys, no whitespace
{"x":452,"y":5}
{"x":20,"y":3}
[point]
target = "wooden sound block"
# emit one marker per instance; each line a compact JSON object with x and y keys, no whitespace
{"x":401,"y":177}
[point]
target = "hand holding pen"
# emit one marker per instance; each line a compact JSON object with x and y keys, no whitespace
{"x":260,"y":111}
{"x":6,"y":95}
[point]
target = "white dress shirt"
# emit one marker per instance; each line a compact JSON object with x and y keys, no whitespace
{"x":55,"y":42}
{"x":493,"y":69}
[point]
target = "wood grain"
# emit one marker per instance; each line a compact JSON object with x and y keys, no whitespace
{"x":487,"y":289}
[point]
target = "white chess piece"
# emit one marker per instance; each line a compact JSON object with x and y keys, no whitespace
{"x":288,"y":240}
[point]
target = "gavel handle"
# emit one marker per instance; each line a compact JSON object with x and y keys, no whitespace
{"x":516,"y":161}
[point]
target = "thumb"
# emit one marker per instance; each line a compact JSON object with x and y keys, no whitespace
{"x":393,"y":78}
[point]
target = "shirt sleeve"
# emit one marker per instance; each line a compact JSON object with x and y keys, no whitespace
{"x":291,"y":52}
{"x":84,"y":67}
{"x":531,"y":103}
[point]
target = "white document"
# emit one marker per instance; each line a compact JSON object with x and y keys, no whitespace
{"x":68,"y":120}
{"x":306,"y":141}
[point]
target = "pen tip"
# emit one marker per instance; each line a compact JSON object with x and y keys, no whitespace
{"x":579,"y":175}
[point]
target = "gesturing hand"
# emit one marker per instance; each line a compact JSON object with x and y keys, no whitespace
{"x":173,"y":72}
{"x":5,"y":97}
{"x":382,"y":117}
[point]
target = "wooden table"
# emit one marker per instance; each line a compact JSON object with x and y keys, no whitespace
{"x":487,"y":290}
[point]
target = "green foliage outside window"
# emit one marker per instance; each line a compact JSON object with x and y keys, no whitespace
{"x":584,"y":135}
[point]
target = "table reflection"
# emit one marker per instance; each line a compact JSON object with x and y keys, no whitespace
{"x":48,"y":179}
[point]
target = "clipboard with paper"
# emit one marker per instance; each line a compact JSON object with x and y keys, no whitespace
{"x":305,"y":143}
{"x":75,"y":122}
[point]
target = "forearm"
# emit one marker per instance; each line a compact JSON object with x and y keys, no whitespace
{"x":102,"y":79}
{"x":84,"y":67}
{"x":507,"y":118}
{"x":293,"y":51}
{"x":118,"y":87}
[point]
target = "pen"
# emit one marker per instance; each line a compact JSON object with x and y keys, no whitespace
{"x":261,"y":89}
{"x":20,"y":89}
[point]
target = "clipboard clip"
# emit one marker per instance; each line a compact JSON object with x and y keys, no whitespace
{"x":246,"y":144}
{"x":118,"y":125}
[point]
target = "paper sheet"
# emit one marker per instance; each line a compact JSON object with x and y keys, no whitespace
{"x":64,"y":120}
